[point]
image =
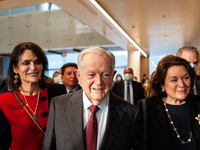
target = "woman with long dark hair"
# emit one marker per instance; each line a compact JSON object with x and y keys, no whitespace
{"x":24,"y":111}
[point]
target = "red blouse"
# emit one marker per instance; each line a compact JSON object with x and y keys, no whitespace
{"x":24,"y":132}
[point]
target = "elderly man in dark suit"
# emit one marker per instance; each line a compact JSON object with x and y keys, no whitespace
{"x":92,"y":118}
{"x":131,"y":91}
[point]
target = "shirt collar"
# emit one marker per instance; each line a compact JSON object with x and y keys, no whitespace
{"x":125,"y":82}
{"x":102,"y":105}
{"x":75,"y":89}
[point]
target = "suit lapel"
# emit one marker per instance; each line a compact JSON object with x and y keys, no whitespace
{"x":160,"y":113}
{"x":115,"y":116}
{"x":134,"y":91}
{"x":122,"y":85}
{"x":190,"y":109}
{"x":75,"y":110}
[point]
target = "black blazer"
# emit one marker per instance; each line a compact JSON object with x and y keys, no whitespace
{"x":158,"y":132}
{"x":197,"y":85}
{"x":138,"y":91}
{"x":55,"y":90}
{"x":3,"y":85}
{"x":65,"y":129}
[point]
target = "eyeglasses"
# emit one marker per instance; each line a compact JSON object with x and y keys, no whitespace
{"x":56,"y":75}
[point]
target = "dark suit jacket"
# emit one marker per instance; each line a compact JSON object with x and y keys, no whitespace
{"x":158,"y":132}
{"x":65,"y":129}
{"x":138,"y":91}
{"x":56,"y":90}
{"x":3,"y":86}
{"x":197,"y":85}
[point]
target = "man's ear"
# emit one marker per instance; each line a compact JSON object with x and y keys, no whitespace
{"x":115,"y":71}
{"x":78,"y":75}
{"x":62,"y":77}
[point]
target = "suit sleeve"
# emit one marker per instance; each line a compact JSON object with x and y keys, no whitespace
{"x":5,"y":132}
{"x":49,"y":139}
{"x":141,"y":91}
{"x":137,"y":142}
{"x":117,"y":89}
{"x":138,"y":125}
{"x":3,"y":86}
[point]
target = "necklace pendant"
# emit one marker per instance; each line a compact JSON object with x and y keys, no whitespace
{"x":35,"y":116}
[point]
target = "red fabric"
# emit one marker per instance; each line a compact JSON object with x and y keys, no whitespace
{"x":91,"y":129}
{"x":25,"y":133}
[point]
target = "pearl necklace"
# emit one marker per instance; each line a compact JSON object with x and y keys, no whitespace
{"x":175,"y":129}
{"x":35,"y":116}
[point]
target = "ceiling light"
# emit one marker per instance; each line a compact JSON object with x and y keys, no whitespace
{"x":118,"y":27}
{"x":154,"y":64}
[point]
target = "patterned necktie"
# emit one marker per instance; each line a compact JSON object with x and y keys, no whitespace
{"x":91,"y":129}
{"x":128,"y":93}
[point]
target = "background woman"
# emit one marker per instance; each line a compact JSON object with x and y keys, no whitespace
{"x":118,"y":78}
{"x":24,"y":127}
{"x":146,"y":87}
{"x":172,"y":112}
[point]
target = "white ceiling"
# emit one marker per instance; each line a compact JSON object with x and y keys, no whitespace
{"x":159,"y":27}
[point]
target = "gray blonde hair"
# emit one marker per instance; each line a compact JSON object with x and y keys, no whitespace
{"x":189,"y":48}
{"x":94,"y":50}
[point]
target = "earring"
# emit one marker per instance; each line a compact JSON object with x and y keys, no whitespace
{"x":16,"y":77}
{"x":163,"y":90}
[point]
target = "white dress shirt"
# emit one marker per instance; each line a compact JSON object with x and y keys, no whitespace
{"x":102,"y":115}
{"x":131,"y":91}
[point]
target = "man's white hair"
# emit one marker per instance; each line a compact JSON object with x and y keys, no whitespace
{"x":94,"y":50}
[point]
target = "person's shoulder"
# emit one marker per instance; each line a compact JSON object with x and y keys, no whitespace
{"x":6,"y":97}
{"x":56,"y":86}
{"x":118,"y":101}
{"x":8,"y":93}
{"x":2,"y":78}
{"x":119,"y":82}
{"x":153,"y":99}
{"x":150,"y":101}
{"x":192,"y":97}
{"x":66,"y":97}
{"x":117,"y":86}
{"x":136,"y":83}
{"x":57,"y":89}
{"x":197,"y":77}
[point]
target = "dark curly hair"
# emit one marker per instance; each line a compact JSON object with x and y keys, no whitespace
{"x":161,"y":71}
{"x":14,"y":60}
